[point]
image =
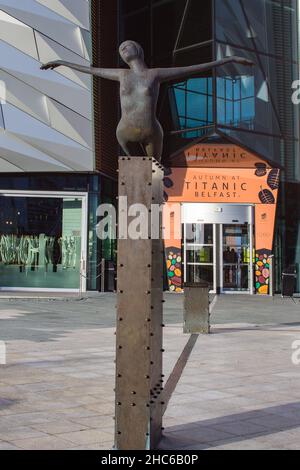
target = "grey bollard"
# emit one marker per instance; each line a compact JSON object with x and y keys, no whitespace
{"x":196,"y":308}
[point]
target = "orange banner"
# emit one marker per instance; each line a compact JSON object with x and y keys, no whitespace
{"x":222,"y":185}
{"x":257,"y":185}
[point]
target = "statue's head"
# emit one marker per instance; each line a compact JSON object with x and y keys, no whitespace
{"x":130,"y":50}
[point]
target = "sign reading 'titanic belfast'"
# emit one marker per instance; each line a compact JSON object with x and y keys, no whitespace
{"x":220,"y":185}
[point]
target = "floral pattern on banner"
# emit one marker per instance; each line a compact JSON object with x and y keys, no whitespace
{"x":174,"y":269}
{"x":262,"y":271}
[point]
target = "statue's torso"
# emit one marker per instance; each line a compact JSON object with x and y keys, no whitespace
{"x":139,"y":95}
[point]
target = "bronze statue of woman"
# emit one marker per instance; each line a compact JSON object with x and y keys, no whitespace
{"x":139,"y":90}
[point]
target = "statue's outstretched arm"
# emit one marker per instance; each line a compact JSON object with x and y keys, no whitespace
{"x":110,"y":74}
{"x":175,"y":73}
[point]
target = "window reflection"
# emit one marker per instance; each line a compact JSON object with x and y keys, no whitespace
{"x":40,"y":242}
{"x":193,"y":105}
{"x":236,"y":101}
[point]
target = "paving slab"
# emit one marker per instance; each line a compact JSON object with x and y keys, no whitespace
{"x":239,"y":390}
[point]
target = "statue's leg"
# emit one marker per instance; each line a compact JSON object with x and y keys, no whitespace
{"x":123,"y":143}
{"x":131,"y":149}
{"x":154,"y":147}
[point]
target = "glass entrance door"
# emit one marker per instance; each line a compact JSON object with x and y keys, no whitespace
{"x":218,"y":246}
{"x":199,"y":253}
{"x":236,"y":256}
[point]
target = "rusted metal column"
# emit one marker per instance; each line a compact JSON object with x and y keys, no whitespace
{"x":139,"y":315}
{"x":196,"y":308}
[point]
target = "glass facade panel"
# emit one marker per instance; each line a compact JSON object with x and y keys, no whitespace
{"x":247,"y":106}
{"x":200,"y":254}
{"x":137,"y":28}
{"x":200,"y":273}
{"x":130,"y":6}
{"x":267,"y":146}
{"x":193,"y":105}
{"x":262,"y":25}
{"x":98,"y":187}
{"x":234,"y":105}
{"x":195,"y":28}
{"x":254,"y":95}
{"x":40,"y":242}
{"x":199,"y":234}
{"x":166,"y":20}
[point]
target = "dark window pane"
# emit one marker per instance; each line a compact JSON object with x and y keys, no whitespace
{"x":197,"y":26}
{"x":263,"y":25}
{"x":270,"y":148}
{"x":199,"y":55}
{"x":166,"y":22}
{"x":198,"y":273}
{"x":201,"y":234}
{"x":138,"y":28}
{"x":129,"y":6}
{"x":262,"y":85}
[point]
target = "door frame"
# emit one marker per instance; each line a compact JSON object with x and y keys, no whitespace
{"x":84,"y":241}
{"x":218,"y":248}
{"x":250,"y":289}
{"x":214,"y":264}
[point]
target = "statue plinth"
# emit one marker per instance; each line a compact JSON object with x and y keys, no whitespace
{"x":139,"y":315}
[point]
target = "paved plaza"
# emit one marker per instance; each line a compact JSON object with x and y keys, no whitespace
{"x":239,"y":390}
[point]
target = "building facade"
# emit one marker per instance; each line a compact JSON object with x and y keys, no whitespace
{"x":51,"y":178}
{"x":231,"y":147}
{"x":232,"y":137}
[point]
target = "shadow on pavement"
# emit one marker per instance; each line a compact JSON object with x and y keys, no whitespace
{"x":232,"y":428}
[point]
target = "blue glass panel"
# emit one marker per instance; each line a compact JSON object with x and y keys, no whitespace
{"x":194,"y":106}
{"x":210,"y":109}
{"x":236,"y":89}
{"x":210,"y":86}
{"x":229,"y":89}
{"x":197,"y":106}
{"x":248,"y":88}
{"x":180,"y":101}
{"x":229,"y":112}
{"x":221,"y":87}
{"x":198,"y":85}
{"x":236,"y":112}
{"x":229,"y":105}
{"x":221,"y":111}
{"x":248,"y":109}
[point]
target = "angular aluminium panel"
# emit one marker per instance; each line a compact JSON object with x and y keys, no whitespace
{"x":25,"y":157}
{"x":1,"y":117}
{"x":17,"y":34}
{"x":24,"y":97}
{"x":76,"y":11}
{"x":44,"y":20}
{"x":45,"y":138}
{"x":48,"y":115}
{"x":51,"y":50}
{"x":8,"y":167}
{"x":70,"y":123}
{"x":48,"y":82}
